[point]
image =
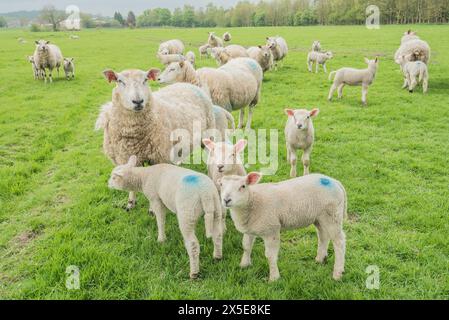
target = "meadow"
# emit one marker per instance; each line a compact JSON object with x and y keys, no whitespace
{"x":392,"y":157}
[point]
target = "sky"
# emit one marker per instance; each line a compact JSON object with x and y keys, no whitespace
{"x":106,"y":7}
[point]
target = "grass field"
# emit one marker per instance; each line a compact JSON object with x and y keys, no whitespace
{"x":392,"y":157}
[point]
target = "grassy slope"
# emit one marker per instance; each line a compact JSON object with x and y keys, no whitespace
{"x":56,"y":209}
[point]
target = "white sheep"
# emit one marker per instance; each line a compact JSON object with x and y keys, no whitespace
{"x":415,"y":72}
{"x":214,"y":41}
{"x":166,"y":59}
{"x":47,"y":56}
{"x":36,"y":72}
{"x":204,"y":50}
{"x":278,"y":47}
{"x":264,"y":210}
{"x":171,"y":47}
{"x":319,"y":58}
{"x":263,"y":55}
{"x":227,"y":36}
{"x":225,"y":54}
{"x":316,"y":46}
{"x":413,"y":48}
{"x":69,"y":68}
{"x":186,"y":193}
{"x":139,"y":122}
{"x":299,"y":134}
{"x":74,"y":37}
{"x":190,"y":56}
{"x":233,"y":86}
{"x":354,"y":77}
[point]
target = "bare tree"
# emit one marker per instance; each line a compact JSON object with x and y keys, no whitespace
{"x":53,"y":16}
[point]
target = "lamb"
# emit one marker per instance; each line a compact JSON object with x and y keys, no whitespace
{"x":413,"y":48}
{"x":299,"y":134}
{"x":69,"y":68}
{"x":354,"y":77}
{"x":316,"y":46}
{"x":187,"y":193}
{"x":139,"y":122}
{"x":233,"y":86}
{"x":263,"y":55}
{"x":166,"y":59}
{"x":264,"y":210}
{"x":36,"y":71}
{"x":415,"y":72}
{"x":74,"y":37}
{"x":204,"y":50}
{"x":214,"y":41}
{"x":319,"y":58}
{"x":278,"y":47}
{"x":48,"y":56}
{"x":226,"y":54}
{"x":171,"y":47}
{"x":190,"y":56}
{"x":227,"y":37}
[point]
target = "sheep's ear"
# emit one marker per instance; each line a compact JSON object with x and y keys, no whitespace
{"x":240,"y":145}
{"x":260,"y":47}
{"x":47,"y":42}
{"x":314,"y":112}
{"x":132,"y":161}
{"x":72,"y":59}
{"x":253,"y":178}
{"x":376,"y":60}
{"x":118,"y":172}
{"x":36,"y":42}
{"x":366,"y":60}
{"x":65,"y":59}
{"x":153,"y":73}
{"x":289,"y":112}
{"x":209,"y":144}
{"x":110,"y":75}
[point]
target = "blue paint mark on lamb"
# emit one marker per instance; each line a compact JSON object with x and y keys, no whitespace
{"x":326,"y":182}
{"x":191,"y":179}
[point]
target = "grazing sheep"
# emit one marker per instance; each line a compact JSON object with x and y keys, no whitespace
{"x":413,"y":48}
{"x":316,"y":46}
{"x":354,"y":77}
{"x":47,"y":56}
{"x":264,"y":210}
{"x":187,"y":193}
{"x":69,"y":68}
{"x":227,"y":37}
{"x":214,"y":41}
{"x":36,"y":71}
{"x":278,"y":47}
{"x":190,"y":56}
{"x":226,"y":54}
{"x":415,"y":72}
{"x":21,"y":40}
{"x":74,"y":37}
{"x":171,"y":47}
{"x":204,"y":50}
{"x":409,"y":35}
{"x":319,"y":58}
{"x":263,"y":55}
{"x":233,"y":86}
{"x":166,"y":59}
{"x":299,"y":134}
{"x":139,"y":122}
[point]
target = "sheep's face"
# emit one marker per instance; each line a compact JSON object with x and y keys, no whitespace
{"x":302,"y":118}
{"x":329,"y":55}
{"x":316,"y":46}
{"x":234,"y":189}
{"x":271,"y":42}
{"x":132,"y":89}
{"x":265,"y":51}
{"x":68,"y":63}
{"x":212,"y":36}
{"x":173,"y":73}
{"x":224,"y":156}
{"x":372,"y":64}
{"x":42,"y":45}
{"x":118,"y":176}
{"x":164,"y":51}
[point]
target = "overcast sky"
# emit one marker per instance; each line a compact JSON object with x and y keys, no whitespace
{"x":106,"y":7}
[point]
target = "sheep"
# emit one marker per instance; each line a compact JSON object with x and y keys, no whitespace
{"x":69,"y":68}
{"x":264,"y":210}
{"x":354,"y":77}
{"x":166,"y":59}
{"x":142,"y":123}
{"x":316,"y":46}
{"x":409,"y":35}
{"x":233,"y":86}
{"x":36,"y":71}
{"x":21,"y":40}
{"x":74,"y":37}
{"x":299,"y":134}
{"x":171,"y":47}
{"x":226,"y":54}
{"x":49,"y":56}
{"x":278,"y":47}
{"x":204,"y":50}
{"x":190,"y":56}
{"x":414,"y":49}
{"x":415,"y":72}
{"x":186,"y":193}
{"x":214,"y":41}
{"x":263,"y":55}
{"x":319,"y":58}
{"x":227,"y":37}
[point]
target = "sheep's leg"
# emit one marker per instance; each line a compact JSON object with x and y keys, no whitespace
{"x":412,"y":85}
{"x":323,"y":243}
{"x":324,"y":67}
{"x":191,"y":243}
{"x":364,"y":93}
{"x":405,"y":85}
{"x":272,"y":244}
{"x":339,"y":243}
{"x":250,"y":117}
{"x":288,"y":152}
{"x":306,"y":160}
{"x":217,"y":237}
{"x":50,"y":71}
{"x":159,"y":210}
{"x":247,"y":242}
{"x":331,"y":91}
{"x":309,"y":65}
{"x":224,"y":212}
{"x":131,"y":201}
{"x":292,"y":163}
{"x":340,"y":90}
{"x":425,"y":85}
{"x":241,"y":118}
{"x":317,"y":67}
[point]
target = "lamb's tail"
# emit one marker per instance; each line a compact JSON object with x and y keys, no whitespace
{"x":229,"y":117}
{"x":422,"y":73}
{"x":345,"y":204}
{"x":103,"y":119}
{"x":331,"y":75}
{"x":212,"y":214}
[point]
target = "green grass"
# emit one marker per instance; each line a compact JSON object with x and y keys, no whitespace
{"x":392,"y":157}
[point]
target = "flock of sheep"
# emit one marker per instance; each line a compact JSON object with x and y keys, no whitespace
{"x":138,"y":126}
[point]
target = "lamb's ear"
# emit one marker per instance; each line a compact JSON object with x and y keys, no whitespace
{"x":314,"y":112}
{"x":253,"y":178}
{"x":110,"y":75}
{"x":289,"y":112}
{"x":240,"y":145}
{"x":72,"y":59}
{"x":366,"y":60}
{"x":36,"y":42}
{"x":47,"y":42}
{"x":209,"y":144}
{"x":153,"y":73}
{"x":132,"y":161}
{"x":260,"y":47}
{"x":376,"y":60}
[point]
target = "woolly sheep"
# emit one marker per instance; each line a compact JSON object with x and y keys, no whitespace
{"x":278,"y":47}
{"x":263,"y":55}
{"x":48,"y":56}
{"x":319,"y":58}
{"x":74,"y":37}
{"x":204,"y":50}
{"x":140,"y":122}
{"x":227,"y":37}
{"x":354,"y":77}
{"x":187,"y":193}
{"x":226,"y":54}
{"x":190,"y":56}
{"x":233,"y":86}
{"x":171,"y":47}
{"x":299,"y":134}
{"x":413,"y":48}
{"x":166,"y":59}
{"x":264,"y":210}
{"x":214,"y":41}
{"x":69,"y":68}
{"x":415,"y":72}
{"x":36,"y":72}
{"x":316,"y":46}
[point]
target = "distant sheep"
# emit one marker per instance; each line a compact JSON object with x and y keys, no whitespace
{"x":278,"y":47}
{"x":171,"y":47}
{"x":214,"y":41}
{"x":226,"y":54}
{"x":190,"y":56}
{"x":227,"y":37}
{"x":47,"y":56}
{"x":204,"y":50}
{"x":319,"y":58}
{"x":74,"y":37}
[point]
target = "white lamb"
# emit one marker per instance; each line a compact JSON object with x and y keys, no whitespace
{"x":278,"y":47}
{"x":36,"y":72}
{"x":354,"y":77}
{"x":47,"y":56}
{"x":171,"y":47}
{"x":415,"y":72}
{"x":187,"y":193}
{"x":264,"y":210}
{"x":69,"y":68}
{"x":214,"y":41}
{"x":299,"y":134}
{"x":319,"y":58}
{"x":263,"y":55}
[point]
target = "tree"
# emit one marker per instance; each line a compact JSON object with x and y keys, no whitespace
{"x":131,"y":20}
{"x":51,"y":15}
{"x":118,"y":16}
{"x":87,"y":21}
{"x":3,"y":23}
{"x":188,"y":16}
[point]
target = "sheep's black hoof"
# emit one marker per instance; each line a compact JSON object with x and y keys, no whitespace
{"x":411,"y":91}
